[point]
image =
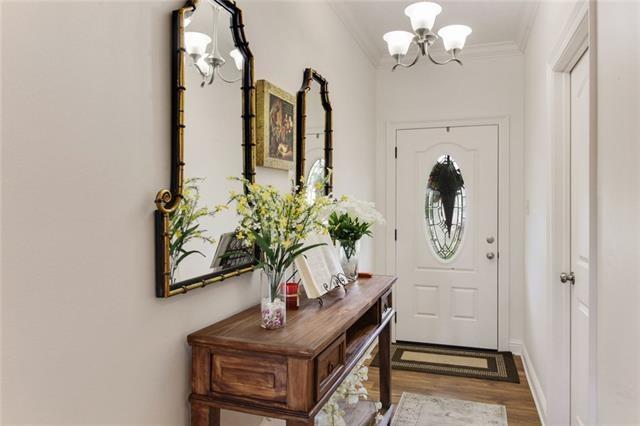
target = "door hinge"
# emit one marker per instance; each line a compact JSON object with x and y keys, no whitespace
{"x":395,"y":234}
{"x":396,"y":152}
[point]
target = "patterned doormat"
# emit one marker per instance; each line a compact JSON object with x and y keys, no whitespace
{"x":419,"y":410}
{"x":452,"y":361}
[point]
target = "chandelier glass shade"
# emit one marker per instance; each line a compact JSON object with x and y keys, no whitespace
{"x":208,"y":60}
{"x":423,"y":16}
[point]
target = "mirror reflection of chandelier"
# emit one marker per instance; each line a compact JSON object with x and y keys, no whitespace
{"x":423,"y":16}
{"x":208,"y":63}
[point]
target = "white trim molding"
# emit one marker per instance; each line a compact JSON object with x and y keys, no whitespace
{"x":534,"y":384}
{"x":376,"y":53}
{"x":368,"y":46}
{"x":571,"y":45}
{"x":515,"y":346}
{"x":471,"y":52}
{"x":526,"y":23}
{"x":504,"y":205}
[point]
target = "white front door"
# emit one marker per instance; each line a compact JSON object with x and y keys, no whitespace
{"x":447,"y":289}
{"x":580,"y":241}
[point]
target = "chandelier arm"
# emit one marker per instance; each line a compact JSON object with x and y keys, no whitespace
{"x":452,"y":59}
{"x":204,"y":74}
{"x":211,"y":76}
{"x":400,"y":64}
{"x":198,"y":67}
{"x":222,"y":77}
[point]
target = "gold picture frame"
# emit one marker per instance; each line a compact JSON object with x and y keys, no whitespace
{"x":275,"y":127}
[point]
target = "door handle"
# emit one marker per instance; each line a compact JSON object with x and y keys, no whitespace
{"x":490,"y":240}
{"x":571,"y":277}
{"x":491,"y":255}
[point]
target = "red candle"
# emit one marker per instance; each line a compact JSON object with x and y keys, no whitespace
{"x":292,"y":295}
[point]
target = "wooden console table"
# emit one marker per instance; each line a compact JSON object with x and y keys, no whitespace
{"x":290,"y":373}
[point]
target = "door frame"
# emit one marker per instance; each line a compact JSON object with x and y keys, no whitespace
{"x":504,"y":202}
{"x":575,"y":40}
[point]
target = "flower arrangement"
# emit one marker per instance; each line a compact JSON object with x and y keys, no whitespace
{"x":350,"y":220}
{"x":278,"y":224}
{"x":184,"y":225}
{"x":350,"y":391}
{"x":446,"y":180}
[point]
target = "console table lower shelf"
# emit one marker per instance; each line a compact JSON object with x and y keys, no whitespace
{"x":290,"y":373}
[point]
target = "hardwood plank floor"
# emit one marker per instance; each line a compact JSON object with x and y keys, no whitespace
{"x":521,"y":409}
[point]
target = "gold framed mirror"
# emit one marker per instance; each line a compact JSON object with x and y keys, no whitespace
{"x":195,"y":240}
{"x":314,"y":134}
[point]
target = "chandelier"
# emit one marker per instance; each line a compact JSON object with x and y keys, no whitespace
{"x":209,"y":62}
{"x":423,"y":16}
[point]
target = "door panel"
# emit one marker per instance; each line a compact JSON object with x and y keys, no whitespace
{"x":447,"y":287}
{"x":580,"y":241}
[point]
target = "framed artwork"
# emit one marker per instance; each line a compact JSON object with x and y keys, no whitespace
{"x":276,"y":127}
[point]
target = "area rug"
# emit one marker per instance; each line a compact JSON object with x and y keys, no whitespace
{"x":422,"y":410}
{"x":452,"y":361}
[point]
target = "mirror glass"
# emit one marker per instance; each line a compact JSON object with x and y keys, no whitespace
{"x":445,"y":208}
{"x":314,"y":164}
{"x":212,"y":147}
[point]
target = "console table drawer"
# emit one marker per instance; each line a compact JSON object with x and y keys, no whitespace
{"x":263,"y":377}
{"x":329,"y":365}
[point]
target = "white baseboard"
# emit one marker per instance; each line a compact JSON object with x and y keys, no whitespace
{"x":534,"y":384}
{"x":515,"y":346}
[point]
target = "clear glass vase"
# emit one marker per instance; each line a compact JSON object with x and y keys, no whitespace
{"x":349,"y":253}
{"x":273,"y":306}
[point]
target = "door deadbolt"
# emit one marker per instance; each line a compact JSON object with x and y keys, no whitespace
{"x":570,"y":277}
{"x":490,"y":240}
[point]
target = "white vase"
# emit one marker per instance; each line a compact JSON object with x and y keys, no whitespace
{"x":349,"y":254}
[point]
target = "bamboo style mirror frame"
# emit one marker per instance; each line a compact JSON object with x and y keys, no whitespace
{"x":169,"y":200}
{"x":312,"y":168}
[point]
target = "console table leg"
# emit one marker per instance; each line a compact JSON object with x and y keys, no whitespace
{"x":384,"y":353}
{"x":201,"y":415}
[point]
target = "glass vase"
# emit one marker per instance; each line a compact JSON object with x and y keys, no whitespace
{"x":349,"y":253}
{"x":273,"y":306}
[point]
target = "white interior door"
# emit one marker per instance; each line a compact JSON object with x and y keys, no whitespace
{"x":447,"y":289}
{"x":580,"y":241}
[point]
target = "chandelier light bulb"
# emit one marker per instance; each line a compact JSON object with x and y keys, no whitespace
{"x":398,"y":42}
{"x":196,"y":43}
{"x":422,"y":15}
{"x":454,"y":36}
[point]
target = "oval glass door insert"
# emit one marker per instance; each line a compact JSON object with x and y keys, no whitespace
{"x":444,"y":208}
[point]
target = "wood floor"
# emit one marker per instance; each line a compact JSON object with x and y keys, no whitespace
{"x":521,"y":409}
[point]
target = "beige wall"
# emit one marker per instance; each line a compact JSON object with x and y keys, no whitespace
{"x":618,"y":269}
{"x":85,"y":146}
{"x":615,"y":375}
{"x":551,"y":20}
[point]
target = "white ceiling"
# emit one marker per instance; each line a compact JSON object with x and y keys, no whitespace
{"x":498,"y":26}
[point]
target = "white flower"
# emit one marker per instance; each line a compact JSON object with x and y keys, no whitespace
{"x":365,"y":211}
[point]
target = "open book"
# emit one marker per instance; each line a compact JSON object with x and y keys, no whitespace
{"x":319,"y":267}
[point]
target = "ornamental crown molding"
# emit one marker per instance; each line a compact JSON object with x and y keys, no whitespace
{"x":368,"y":46}
{"x":474,"y":51}
{"x":377,"y":55}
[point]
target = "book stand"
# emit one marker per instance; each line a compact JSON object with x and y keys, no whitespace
{"x":337,"y":280}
